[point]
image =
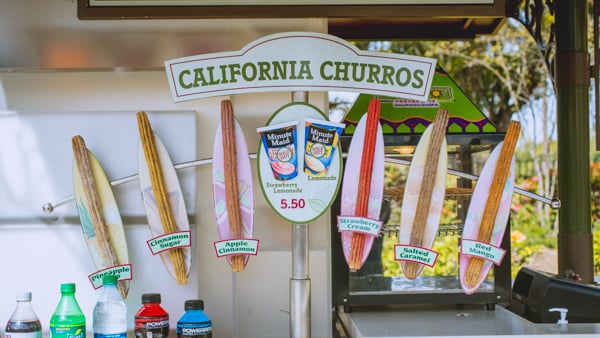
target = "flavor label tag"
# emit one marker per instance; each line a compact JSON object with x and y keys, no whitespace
{"x":246,"y":246}
{"x":486,"y":251}
{"x":415,"y":254}
{"x":170,"y":241}
{"x":123,"y":272}
{"x":359,"y":224}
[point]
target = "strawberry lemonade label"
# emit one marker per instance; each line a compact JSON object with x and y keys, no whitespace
{"x":279,"y":142}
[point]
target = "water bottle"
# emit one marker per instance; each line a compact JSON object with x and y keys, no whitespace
{"x":194,"y":323}
{"x":151,"y":321}
{"x":24,"y":323}
{"x":110,"y":312}
{"x":68,"y":320}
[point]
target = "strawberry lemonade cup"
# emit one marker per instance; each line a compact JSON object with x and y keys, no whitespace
{"x":279,"y":142}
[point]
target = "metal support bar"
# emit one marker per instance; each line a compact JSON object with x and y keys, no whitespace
{"x":300,"y":283}
{"x":300,"y":321}
{"x":553,"y":202}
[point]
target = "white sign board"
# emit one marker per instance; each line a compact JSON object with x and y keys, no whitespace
{"x":302,"y":197}
{"x":300,"y":61}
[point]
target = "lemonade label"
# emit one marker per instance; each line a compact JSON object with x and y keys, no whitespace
{"x":321,"y":138}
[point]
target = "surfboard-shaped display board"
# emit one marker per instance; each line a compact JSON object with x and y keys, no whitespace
{"x":472,"y":246}
{"x":232,"y":187}
{"x":99,"y":214}
{"x":421,"y":204}
{"x":164,"y":204}
{"x":365,"y":227}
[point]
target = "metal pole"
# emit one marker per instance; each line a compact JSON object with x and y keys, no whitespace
{"x":300,"y":281}
{"x":575,"y":251}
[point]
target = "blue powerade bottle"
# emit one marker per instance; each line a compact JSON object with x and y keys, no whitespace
{"x":194,"y":323}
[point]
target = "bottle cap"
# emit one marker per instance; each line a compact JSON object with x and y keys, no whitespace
{"x":67,"y":287}
{"x":24,"y":296}
{"x":109,"y":279}
{"x":150,"y":298}
{"x":194,"y":304}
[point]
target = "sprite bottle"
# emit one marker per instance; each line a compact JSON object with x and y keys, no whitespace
{"x":68,"y":320}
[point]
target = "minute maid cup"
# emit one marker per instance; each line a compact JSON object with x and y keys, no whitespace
{"x":321,"y":139}
{"x":279,"y":141}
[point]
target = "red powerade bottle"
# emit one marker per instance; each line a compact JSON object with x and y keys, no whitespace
{"x":151,"y":321}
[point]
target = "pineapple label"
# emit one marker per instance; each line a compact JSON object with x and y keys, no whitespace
{"x":123,"y":272}
{"x":170,"y":241}
{"x":246,"y":246}
{"x":486,"y":251}
{"x":415,"y":254}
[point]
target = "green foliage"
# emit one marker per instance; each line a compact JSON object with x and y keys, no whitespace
{"x":597,"y":251}
{"x":504,"y":74}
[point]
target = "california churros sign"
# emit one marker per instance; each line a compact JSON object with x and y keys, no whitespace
{"x":300,"y":61}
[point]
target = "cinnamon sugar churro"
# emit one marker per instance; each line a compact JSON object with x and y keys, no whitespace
{"x":160,"y":194}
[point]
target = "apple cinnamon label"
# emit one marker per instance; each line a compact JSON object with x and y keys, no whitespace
{"x":246,"y":246}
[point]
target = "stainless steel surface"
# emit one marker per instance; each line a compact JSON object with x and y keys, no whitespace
{"x":300,"y":262}
{"x":300,"y":324}
{"x":454,"y":321}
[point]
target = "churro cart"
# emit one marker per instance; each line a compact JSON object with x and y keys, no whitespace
{"x":473,"y":138}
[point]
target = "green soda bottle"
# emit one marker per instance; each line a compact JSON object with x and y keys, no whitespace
{"x":68,"y":319}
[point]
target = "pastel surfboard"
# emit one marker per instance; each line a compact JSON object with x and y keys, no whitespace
{"x":244,"y":177}
{"x":412,"y":191}
{"x":175,"y":197}
{"x":351,"y":182}
{"x":110,"y":214}
{"x":475,"y":212}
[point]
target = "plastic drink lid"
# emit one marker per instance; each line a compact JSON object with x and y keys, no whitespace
{"x":67,"y":287}
{"x":150,"y":298}
{"x":109,"y":280}
{"x":24,"y":296}
{"x":194,"y":304}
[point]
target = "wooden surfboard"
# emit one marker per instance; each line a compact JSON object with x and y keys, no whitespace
{"x":475,"y":213}
{"x":412,"y":194}
{"x":243,"y":172}
{"x":176,"y":202}
{"x":351,"y":183}
{"x":99,"y":214}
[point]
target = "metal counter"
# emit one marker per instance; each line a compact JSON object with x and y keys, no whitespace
{"x":451,"y":321}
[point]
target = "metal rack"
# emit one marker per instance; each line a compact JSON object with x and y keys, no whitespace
{"x":368,"y":288}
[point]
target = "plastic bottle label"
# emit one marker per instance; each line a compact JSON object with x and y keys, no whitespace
{"x":152,"y":328}
{"x":74,"y":331}
{"x":37,"y":334}
{"x":110,"y":335}
{"x":194,"y":330}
